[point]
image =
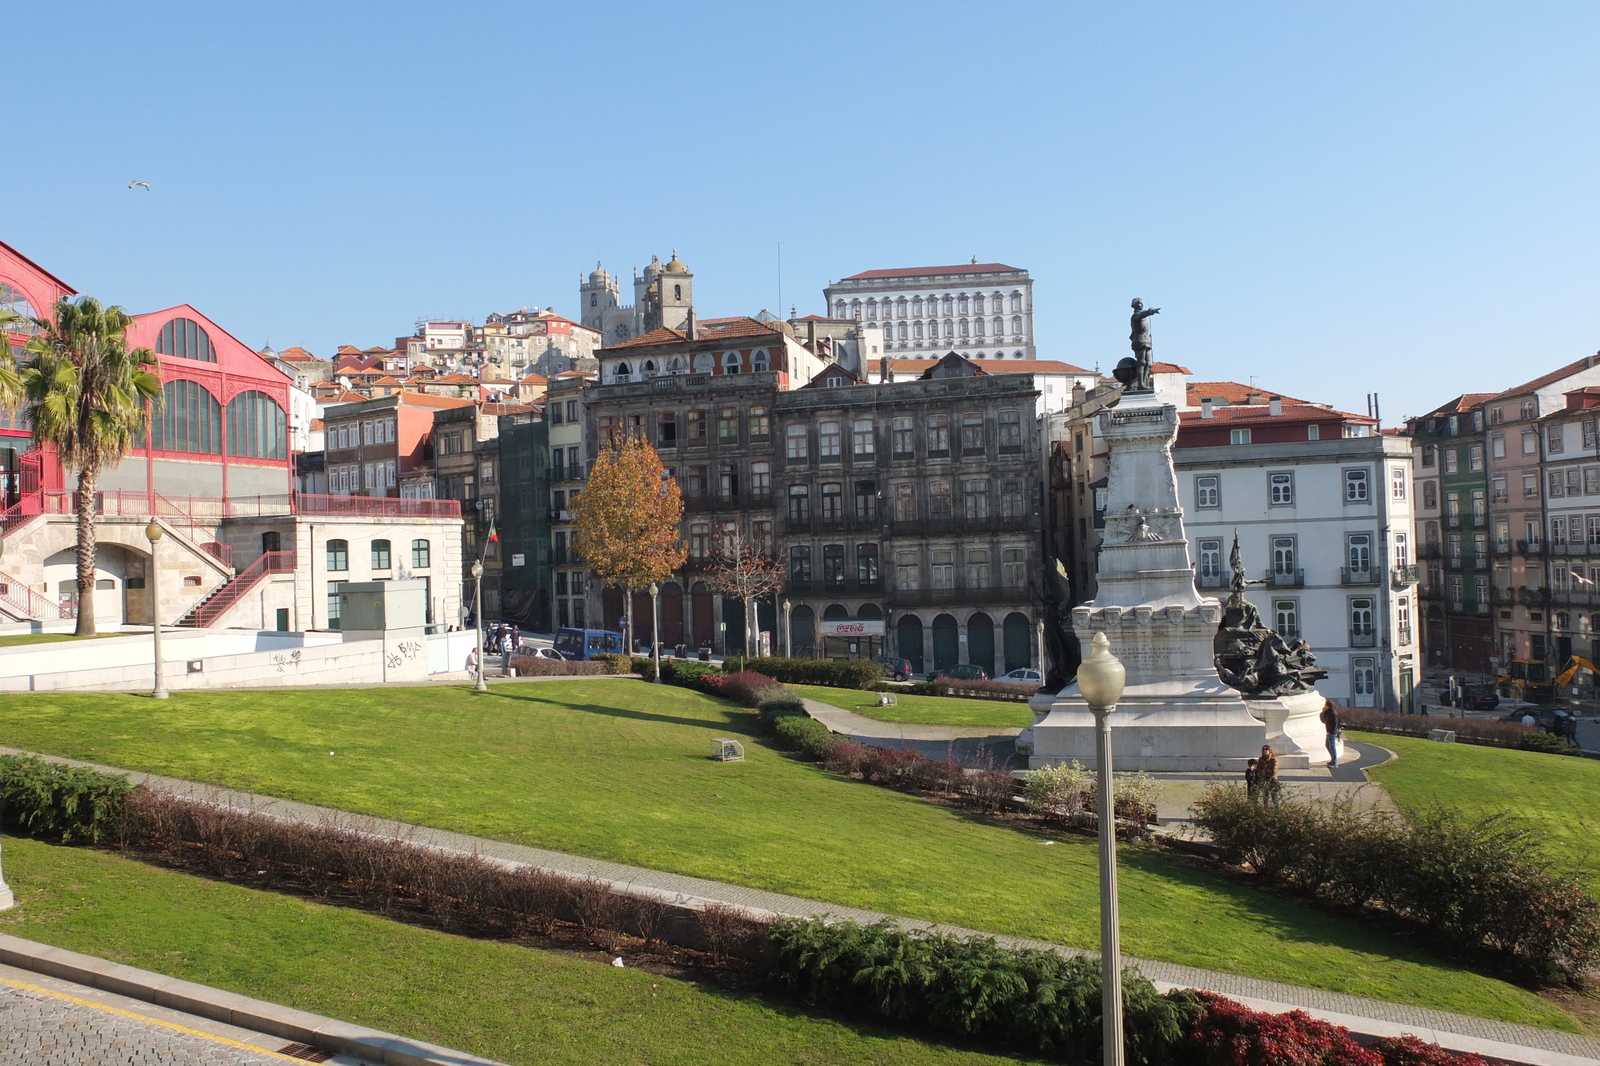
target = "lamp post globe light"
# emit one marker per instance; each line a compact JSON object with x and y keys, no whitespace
{"x":152,"y":533}
{"x":788,"y":630}
{"x":1100,"y":680}
{"x":477,"y":613}
{"x":655,"y":629}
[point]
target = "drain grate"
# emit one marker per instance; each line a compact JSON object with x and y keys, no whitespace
{"x":306,"y":1052}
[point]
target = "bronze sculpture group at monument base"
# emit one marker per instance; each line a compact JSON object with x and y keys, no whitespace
{"x":1255,"y":659}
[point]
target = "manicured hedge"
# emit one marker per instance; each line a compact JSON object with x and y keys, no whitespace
{"x":1012,"y":691}
{"x":833,"y":673}
{"x":66,"y":804}
{"x":806,"y":735}
{"x":687,"y":672}
{"x":1490,"y":732}
{"x":538,"y":666}
{"x":1478,"y":885}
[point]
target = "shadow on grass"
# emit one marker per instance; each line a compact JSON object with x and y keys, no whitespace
{"x":735,"y":719}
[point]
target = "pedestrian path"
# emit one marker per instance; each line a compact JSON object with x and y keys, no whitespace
{"x":1503,"y":1040}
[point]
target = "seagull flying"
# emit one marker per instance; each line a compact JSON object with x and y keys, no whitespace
{"x":143,"y":184}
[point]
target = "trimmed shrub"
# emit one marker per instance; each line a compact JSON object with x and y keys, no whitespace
{"x":833,"y":673}
{"x":909,"y":688}
{"x":776,"y":703}
{"x":1223,"y":1031}
{"x":804,"y":734}
{"x":971,"y":989}
{"x":643,"y":666}
{"x":845,"y":756}
{"x":1487,"y":731}
{"x":687,"y":672}
{"x":746,"y":688}
{"x":538,"y":666}
{"x":64,"y":804}
{"x":1477,"y":885}
{"x":1010,"y":691}
{"x":616,"y":662}
{"x":1548,"y":743}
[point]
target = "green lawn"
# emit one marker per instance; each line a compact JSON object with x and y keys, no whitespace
{"x":924,"y":710}
{"x":511,"y":1003}
{"x":1557,"y":793}
{"x":12,"y":640}
{"x":619,"y":770}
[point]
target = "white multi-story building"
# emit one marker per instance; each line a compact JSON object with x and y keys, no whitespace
{"x":982,"y":310}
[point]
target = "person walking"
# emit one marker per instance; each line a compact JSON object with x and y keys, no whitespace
{"x":1330,"y":722}
{"x":1267,"y":784}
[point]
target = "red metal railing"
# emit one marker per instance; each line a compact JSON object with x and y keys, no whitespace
{"x":22,"y":599}
{"x":362,"y":506}
{"x":210,"y":609}
{"x":199,"y":529}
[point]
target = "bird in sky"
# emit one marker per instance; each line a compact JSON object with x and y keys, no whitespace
{"x":142,"y":184}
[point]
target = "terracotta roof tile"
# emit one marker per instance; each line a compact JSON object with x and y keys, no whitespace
{"x":1231,"y":392}
{"x":918,"y":272}
{"x":1292,"y":412}
{"x":1551,"y":378}
{"x":1168,"y":368}
{"x":655,"y":336}
{"x":1466,"y":401}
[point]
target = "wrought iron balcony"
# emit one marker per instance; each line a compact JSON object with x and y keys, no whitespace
{"x":1286,"y":579}
{"x":1402,"y":575}
{"x":1367,"y":639}
{"x":1367,"y":576}
{"x":1402,"y":636}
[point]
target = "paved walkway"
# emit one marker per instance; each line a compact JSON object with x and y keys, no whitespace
{"x":1516,"y":1043}
{"x":47,"y":1021}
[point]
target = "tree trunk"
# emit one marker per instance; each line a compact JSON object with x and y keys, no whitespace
{"x":752,"y":628}
{"x":627,"y":615}
{"x":87,"y":479}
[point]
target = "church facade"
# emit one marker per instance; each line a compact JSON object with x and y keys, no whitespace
{"x":663,"y":296}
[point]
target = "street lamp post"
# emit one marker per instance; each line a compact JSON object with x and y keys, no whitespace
{"x":655,"y":629}
{"x":477,"y":614}
{"x":1039,"y":629}
{"x":1100,"y":679}
{"x":788,"y":630}
{"x":152,"y":533}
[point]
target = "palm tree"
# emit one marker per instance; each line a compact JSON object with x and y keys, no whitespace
{"x":88,"y":394}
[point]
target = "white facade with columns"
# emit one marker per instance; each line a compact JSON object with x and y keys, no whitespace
{"x":982,"y":310}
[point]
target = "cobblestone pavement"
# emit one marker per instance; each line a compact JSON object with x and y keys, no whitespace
{"x":51,"y":1027}
{"x":681,"y":889}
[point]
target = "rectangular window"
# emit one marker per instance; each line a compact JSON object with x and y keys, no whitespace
{"x":335,"y":605}
{"x":1209,"y":564}
{"x":1283,"y":560}
{"x":1480,"y":509}
{"x":421,"y":554}
{"x":697,"y":427}
{"x":1558,"y":531}
{"x":975,"y":498}
{"x":1530,"y":486}
{"x":761,"y":535}
{"x":1591,"y":480}
{"x":1430,"y":495}
{"x":1397,"y":482}
{"x":1588,"y":433}
{"x":800,"y":564}
{"x":905,"y":503}
{"x":1361,"y":619}
{"x":728,"y":425}
{"x":380,"y":555}
{"x":1207,"y":491}
{"x":795,"y":442}
{"x":666,"y":429}
{"x":829,"y":441}
{"x":799,"y":503}
{"x":1530,"y":442}
{"x":1356,"y":489}
{"x":972,"y":433}
{"x":942,"y":568}
{"x":699,"y":540}
{"x":867,"y":565}
{"x":977,"y":568}
{"x":1555,"y":483}
{"x":728,"y":480}
{"x":1428,"y":455}
{"x":1011,"y":498}
{"x":1011,"y":431}
{"x":863,"y":438}
{"x":698,"y":482}
{"x":1280,"y":488}
{"x":338,"y":555}
{"x":906,"y":571}
{"x":1313,"y":432}
{"x":1573,"y":479}
{"x":1450,"y":461}
{"x":939,"y":501}
{"x":1238,"y":436}
{"x":1475,"y":457}
{"x":1286,"y":618}
{"x":832,"y":501}
{"x":760,"y":423}
{"x":866,"y":499}
{"x":1497,"y":446}
{"x":1358,"y":554}
{"x":761,"y":478}
{"x":1556,"y":439}
{"x":1497,"y":490}
{"x":900,"y":430}
{"x":833,"y":564}
{"x":938,"y":435}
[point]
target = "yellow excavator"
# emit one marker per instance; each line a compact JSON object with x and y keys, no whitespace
{"x":1529,"y":679}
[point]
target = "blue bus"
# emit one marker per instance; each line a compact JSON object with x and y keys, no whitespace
{"x":587,"y":643}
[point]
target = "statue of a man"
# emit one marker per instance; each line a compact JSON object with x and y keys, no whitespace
{"x":1139,"y":337}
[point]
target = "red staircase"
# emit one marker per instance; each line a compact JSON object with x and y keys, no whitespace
{"x":209,"y":610}
{"x":21,"y":600}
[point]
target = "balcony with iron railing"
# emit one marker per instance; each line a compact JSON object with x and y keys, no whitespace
{"x":1402,"y":575}
{"x":1363,"y":638}
{"x":987,"y":594}
{"x":1532,"y":546}
{"x":1430,"y":549}
{"x":1365,"y":576}
{"x":838,"y":587}
{"x":1402,"y":636}
{"x":1286,"y":578}
{"x":1210,"y":581}
{"x":1533,"y":597}
{"x":1479,"y":520}
{"x":933,"y":527}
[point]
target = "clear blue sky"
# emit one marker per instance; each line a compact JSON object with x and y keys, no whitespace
{"x":1357,"y":197}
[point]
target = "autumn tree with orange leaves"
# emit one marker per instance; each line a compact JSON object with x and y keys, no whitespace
{"x":627,"y":519}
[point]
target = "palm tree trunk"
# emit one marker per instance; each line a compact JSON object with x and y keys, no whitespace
{"x":87,"y":480}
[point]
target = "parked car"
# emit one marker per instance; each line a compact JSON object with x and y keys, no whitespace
{"x":547,"y":653}
{"x":894,"y":669}
{"x":1025,"y":674}
{"x":1478,"y":698}
{"x":1544,"y":718}
{"x":960,"y":672}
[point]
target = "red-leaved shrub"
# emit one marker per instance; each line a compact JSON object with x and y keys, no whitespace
{"x":745,"y":688}
{"x":1229,"y":1034}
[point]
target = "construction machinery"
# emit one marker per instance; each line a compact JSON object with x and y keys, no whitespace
{"x":1530,"y":680}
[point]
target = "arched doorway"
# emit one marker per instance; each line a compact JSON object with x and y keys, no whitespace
{"x":1018,"y":645}
{"x":872,"y":645}
{"x":835,"y":647}
{"x":908,"y":641}
{"x":980,"y":642}
{"x":703,"y":627}
{"x":271,"y":541}
{"x":804,"y":637}
{"x":946,"y":642}
{"x":671,"y":616}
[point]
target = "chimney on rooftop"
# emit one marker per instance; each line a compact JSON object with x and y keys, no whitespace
{"x":1275,"y":406}
{"x":691,"y":327}
{"x":1205,"y":409}
{"x":883,"y":371}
